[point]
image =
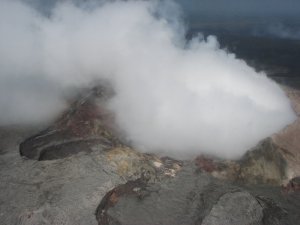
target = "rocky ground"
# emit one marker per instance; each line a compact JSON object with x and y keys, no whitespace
{"x":79,"y":171}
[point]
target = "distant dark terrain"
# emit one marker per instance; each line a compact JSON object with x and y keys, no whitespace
{"x":277,"y":56}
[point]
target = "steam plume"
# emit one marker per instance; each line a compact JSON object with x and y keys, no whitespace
{"x":178,"y":97}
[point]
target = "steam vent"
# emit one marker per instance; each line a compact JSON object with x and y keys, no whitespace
{"x":79,"y":170}
{"x":117,"y":113}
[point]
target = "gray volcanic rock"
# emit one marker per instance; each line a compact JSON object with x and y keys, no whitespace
{"x":235,"y":208}
{"x":68,"y":190}
{"x":86,"y":124}
{"x":188,"y":198}
{"x":288,"y":139}
{"x":45,"y":216}
{"x":263,"y":164}
{"x":81,"y":159}
{"x":32,"y":192}
{"x":273,"y":213}
{"x":293,"y":185}
{"x":170,"y":201}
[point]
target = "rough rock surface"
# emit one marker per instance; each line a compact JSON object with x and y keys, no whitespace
{"x":235,"y":208}
{"x":263,"y":164}
{"x":288,"y":139}
{"x":67,"y":190}
{"x":36,"y":192}
{"x":86,"y":124}
{"x":79,"y":165}
{"x":45,"y":216}
{"x":190,"y":198}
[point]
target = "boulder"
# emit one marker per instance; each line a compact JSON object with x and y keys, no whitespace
{"x":235,"y":208}
{"x":263,"y":164}
{"x":188,"y":198}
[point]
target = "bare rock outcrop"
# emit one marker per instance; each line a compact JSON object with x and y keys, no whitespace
{"x":188,"y":198}
{"x":81,"y":158}
{"x":275,"y":160}
{"x":288,"y":139}
{"x":84,"y":125}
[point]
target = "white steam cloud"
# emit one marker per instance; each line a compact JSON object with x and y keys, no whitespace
{"x":173,"y":96}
